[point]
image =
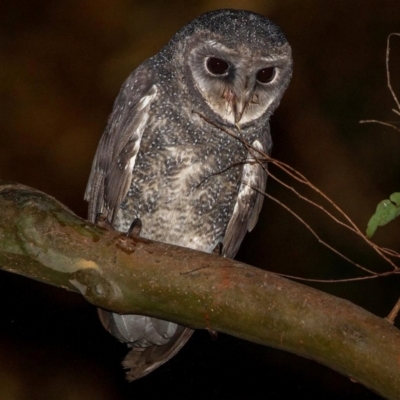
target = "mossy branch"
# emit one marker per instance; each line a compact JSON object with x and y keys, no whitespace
{"x":41,"y":239}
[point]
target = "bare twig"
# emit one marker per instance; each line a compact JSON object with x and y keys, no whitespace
{"x":368,"y":121}
{"x":393,"y":314}
{"x":389,"y":84}
{"x":296,"y":175}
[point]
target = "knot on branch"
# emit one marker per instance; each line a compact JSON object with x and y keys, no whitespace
{"x":92,"y":285}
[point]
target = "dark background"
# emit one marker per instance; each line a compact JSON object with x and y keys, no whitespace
{"x":61,"y":66}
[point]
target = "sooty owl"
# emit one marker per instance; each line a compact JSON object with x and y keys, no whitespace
{"x":167,"y":159}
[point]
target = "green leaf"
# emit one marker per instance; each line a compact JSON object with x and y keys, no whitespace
{"x":386,"y":211}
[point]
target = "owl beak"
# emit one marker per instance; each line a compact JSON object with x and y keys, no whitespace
{"x":239,"y":106}
{"x":238,"y":110}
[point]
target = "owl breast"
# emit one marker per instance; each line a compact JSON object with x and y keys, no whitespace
{"x":184,"y":187}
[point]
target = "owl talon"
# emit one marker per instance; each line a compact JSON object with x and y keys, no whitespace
{"x":102,"y":221}
{"x":218,"y":249}
{"x":213,"y":334}
{"x":135,"y":228}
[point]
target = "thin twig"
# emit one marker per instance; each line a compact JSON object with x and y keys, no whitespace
{"x":360,"y":278}
{"x":367,"y":121}
{"x":315,"y":234}
{"x":389,"y":84}
{"x":265,"y":158}
{"x":393,"y":314}
{"x":352,"y":227}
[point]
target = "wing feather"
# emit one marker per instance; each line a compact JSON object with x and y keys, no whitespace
{"x":115,"y":157}
{"x":249,"y":202}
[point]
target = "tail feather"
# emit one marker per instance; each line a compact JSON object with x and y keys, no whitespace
{"x":153,"y":341}
{"x":140,"y":361}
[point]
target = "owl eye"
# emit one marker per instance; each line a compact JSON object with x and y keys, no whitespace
{"x":217,"y":66}
{"x":265,"y":75}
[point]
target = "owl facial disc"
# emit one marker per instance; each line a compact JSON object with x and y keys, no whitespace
{"x":239,"y":81}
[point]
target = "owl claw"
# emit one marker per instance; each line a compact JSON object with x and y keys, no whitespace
{"x":218,"y":249}
{"x":213,"y":334}
{"x":102,"y":221}
{"x":135,"y":228}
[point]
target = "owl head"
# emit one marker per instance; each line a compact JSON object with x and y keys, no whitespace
{"x":238,"y":61}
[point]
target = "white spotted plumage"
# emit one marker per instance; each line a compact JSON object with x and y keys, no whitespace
{"x":168,"y":159}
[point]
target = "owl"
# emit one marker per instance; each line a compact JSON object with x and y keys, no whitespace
{"x":168,"y":157}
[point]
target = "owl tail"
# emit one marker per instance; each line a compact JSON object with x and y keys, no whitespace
{"x":153,"y":341}
{"x":140,"y":361}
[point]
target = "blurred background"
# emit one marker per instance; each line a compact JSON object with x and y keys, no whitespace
{"x":61,"y":67}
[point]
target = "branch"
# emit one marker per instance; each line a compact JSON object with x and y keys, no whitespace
{"x":41,"y":239}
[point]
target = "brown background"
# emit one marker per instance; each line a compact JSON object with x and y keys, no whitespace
{"x":61,"y":65}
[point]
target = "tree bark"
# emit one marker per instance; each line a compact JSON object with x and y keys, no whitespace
{"x":42,"y":239}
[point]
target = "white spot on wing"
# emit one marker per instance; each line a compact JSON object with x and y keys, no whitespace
{"x":147,"y":99}
{"x":144,"y":102}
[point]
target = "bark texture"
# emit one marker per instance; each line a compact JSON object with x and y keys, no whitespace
{"x":42,"y":239}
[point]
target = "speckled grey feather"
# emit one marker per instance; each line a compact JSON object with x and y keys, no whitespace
{"x":166,"y":157}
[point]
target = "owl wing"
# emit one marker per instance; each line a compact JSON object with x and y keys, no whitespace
{"x":249,"y":202}
{"x":115,"y":157}
{"x":108,"y":185}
